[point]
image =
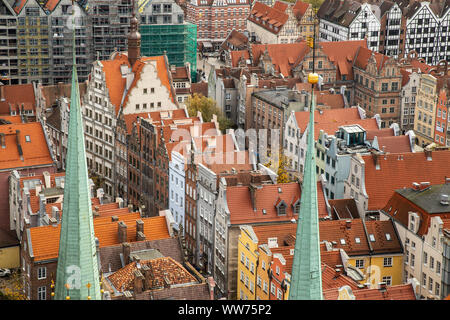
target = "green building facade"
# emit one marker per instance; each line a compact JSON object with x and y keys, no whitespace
{"x":178,"y":41}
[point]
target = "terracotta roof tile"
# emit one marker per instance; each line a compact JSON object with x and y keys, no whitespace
{"x":330,"y":120}
{"x":280,"y":54}
{"x":35,"y":152}
{"x":345,"y":238}
{"x":241,"y":208}
{"x":114,"y":81}
{"x":180,"y":73}
{"x":10,"y":119}
{"x":18,"y":5}
{"x":161,"y":268}
{"x":332,"y":279}
{"x":300,"y":8}
{"x":385,"y":132}
{"x":45,"y":239}
{"x":200,"y":88}
{"x":343,"y":54}
{"x":397,"y":144}
{"x":398,"y":292}
{"x":382,"y":231}
{"x":343,"y":209}
{"x":16,"y":95}
{"x":395,"y":174}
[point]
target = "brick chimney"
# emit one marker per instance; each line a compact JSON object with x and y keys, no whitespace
{"x":122,"y":232}
{"x":348,"y":224}
{"x":376,"y":160}
{"x":138,"y":282}
{"x":254,"y":194}
{"x":148,"y":277}
{"x":140,"y":236}
{"x":126,"y":251}
{"x":428,"y":155}
{"x":96,"y":211}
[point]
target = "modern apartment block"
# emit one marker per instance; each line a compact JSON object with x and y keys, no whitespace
{"x":8,"y":44}
{"x":164,"y":30}
{"x":36,"y":41}
{"x":110,"y":22}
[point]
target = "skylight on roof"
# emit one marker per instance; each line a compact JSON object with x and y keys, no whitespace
{"x":27,"y":138}
{"x":342,"y":241}
{"x":357,"y":240}
{"x":388,"y":236}
{"x":264,"y":211}
{"x":372,"y":237}
{"x":279,"y":190}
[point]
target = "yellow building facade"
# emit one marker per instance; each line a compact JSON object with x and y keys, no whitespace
{"x":380,"y":268}
{"x":247,"y":264}
{"x":425,"y":113}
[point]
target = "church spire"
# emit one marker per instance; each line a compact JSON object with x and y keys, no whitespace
{"x":77,"y":274}
{"x":306,"y":280}
{"x":134,"y":39}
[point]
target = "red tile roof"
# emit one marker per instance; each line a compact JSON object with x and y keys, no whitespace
{"x":335,"y":230}
{"x":18,"y":5}
{"x":334,"y":101}
{"x":385,"y":132}
{"x":114,"y":81}
{"x":397,"y":144}
{"x":398,"y":292}
{"x":333,"y":280}
{"x":399,"y":207}
{"x":241,"y":207}
{"x":284,"y":55}
{"x":16,"y":95}
{"x":343,"y":54}
{"x":363,"y":56}
{"x":161,"y":268}
{"x":300,"y":8}
{"x":34,"y":153}
{"x":269,"y":17}
{"x":330,"y":120}
{"x":11,"y":119}
{"x":200,"y":88}
{"x":45,"y":239}
{"x":395,"y":174}
{"x":50,"y":5}
{"x":180,"y":73}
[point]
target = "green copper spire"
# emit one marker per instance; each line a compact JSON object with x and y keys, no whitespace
{"x":77,"y":274}
{"x":306,"y":279}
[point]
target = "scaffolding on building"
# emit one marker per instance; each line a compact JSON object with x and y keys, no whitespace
{"x":178,"y":41}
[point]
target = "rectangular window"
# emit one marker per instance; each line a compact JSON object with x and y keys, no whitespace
{"x":42,"y":273}
{"x":42,"y":293}
{"x":359,"y":263}
{"x":387,"y":280}
{"x":387,"y":262}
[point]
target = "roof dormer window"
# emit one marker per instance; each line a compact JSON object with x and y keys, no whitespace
{"x":281,"y":208}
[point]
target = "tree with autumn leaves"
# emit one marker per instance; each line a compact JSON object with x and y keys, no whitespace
{"x":207,"y":107}
{"x":279,"y":163}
